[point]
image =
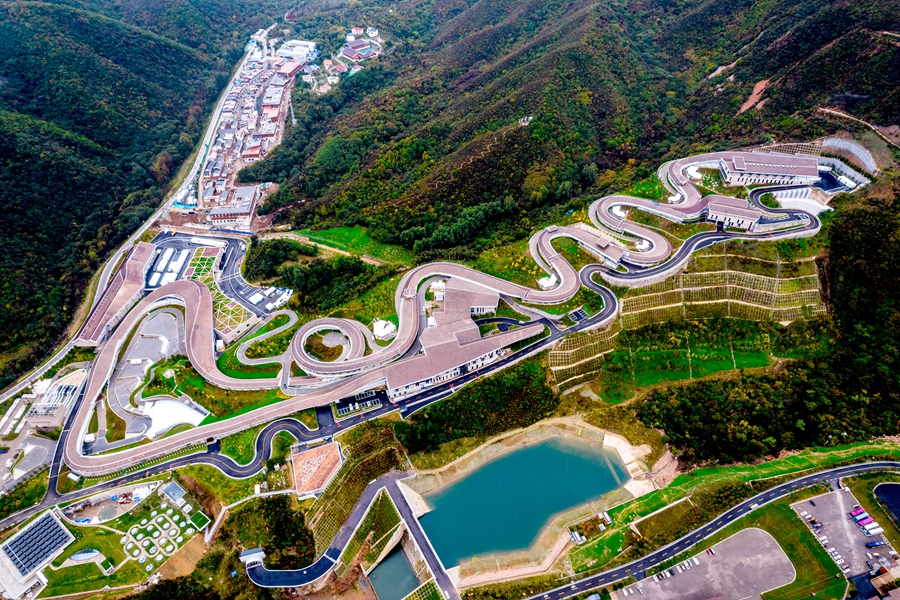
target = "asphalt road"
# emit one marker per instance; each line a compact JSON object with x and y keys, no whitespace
{"x":113,"y":260}
{"x":264,"y":577}
{"x":327,"y":425}
{"x":234,"y":286}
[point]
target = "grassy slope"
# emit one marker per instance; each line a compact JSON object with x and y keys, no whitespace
{"x":598,"y":548}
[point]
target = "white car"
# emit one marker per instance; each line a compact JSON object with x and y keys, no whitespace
{"x":840,"y":562}
{"x":804,"y":513}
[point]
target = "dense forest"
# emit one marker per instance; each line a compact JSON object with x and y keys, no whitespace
{"x":850,"y":394}
{"x":322,"y":284}
{"x":100,"y":102}
{"x":426,"y":148}
{"x":515,"y":397}
{"x":264,"y":259}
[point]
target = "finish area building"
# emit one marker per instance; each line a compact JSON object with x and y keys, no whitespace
{"x":779,"y":169}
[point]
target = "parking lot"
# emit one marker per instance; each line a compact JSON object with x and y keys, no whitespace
{"x":578,"y":315}
{"x":744,"y":566}
{"x":841,"y":532}
{"x":230,"y":280}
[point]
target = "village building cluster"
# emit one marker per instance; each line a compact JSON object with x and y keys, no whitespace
{"x":361,"y":45}
{"x":252,"y":121}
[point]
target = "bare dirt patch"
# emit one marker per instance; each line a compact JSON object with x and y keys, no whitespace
{"x":891,"y":132}
{"x":208,"y":501}
{"x":182,"y":563}
{"x":665,"y":470}
{"x":755,"y":95}
{"x":721,"y":69}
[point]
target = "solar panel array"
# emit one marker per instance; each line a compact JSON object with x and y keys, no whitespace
{"x":37,"y":543}
{"x":174,"y":491}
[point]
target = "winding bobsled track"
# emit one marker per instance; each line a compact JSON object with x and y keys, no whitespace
{"x":642,"y":252}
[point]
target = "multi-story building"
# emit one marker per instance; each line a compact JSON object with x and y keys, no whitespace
{"x":733,"y":212}
{"x":296,"y":50}
{"x":240,"y":213}
{"x":778,"y":169}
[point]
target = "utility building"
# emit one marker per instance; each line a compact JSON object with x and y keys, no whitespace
{"x":733,"y":212}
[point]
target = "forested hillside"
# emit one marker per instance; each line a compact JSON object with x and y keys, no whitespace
{"x":96,"y":114}
{"x":848,"y":395}
{"x":425,"y":146}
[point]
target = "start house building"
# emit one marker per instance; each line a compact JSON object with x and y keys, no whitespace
{"x":754,"y":168}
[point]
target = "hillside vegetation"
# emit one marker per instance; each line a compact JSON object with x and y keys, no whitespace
{"x":846,"y":395}
{"x":425,"y":146}
{"x":100,"y":102}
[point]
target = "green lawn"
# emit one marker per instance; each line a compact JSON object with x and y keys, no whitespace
{"x":94,"y":425}
{"x":377,"y":302}
{"x":229,"y":365}
{"x":584,"y":298}
{"x":199,"y":520}
{"x":76,"y":354}
{"x":281,"y":446}
{"x":219,"y":401}
{"x":275,"y":345}
{"x":572,"y":252}
{"x":672,"y":352}
{"x":115,"y":427}
{"x":88,"y":577}
{"x":315,"y":347}
{"x":241,"y":446}
{"x":308,"y":417}
{"x":650,"y":188}
{"x":358,"y":241}
{"x":98,"y":538}
{"x":512,"y":262}
{"x":225,"y":489}
{"x":678,"y":231}
{"x":141,"y":511}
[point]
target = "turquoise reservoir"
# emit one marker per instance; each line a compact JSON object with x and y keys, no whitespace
{"x":393,"y":578}
{"x":504,"y":504}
